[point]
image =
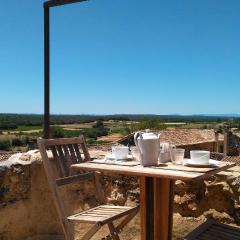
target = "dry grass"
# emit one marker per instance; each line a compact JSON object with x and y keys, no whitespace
{"x":110,"y":138}
{"x":76,"y":126}
{"x":7,"y":136}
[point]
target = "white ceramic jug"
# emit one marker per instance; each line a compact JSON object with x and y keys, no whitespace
{"x":165,"y":152}
{"x":148,"y":145}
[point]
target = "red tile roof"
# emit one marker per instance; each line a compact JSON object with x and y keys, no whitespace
{"x":189,"y":136}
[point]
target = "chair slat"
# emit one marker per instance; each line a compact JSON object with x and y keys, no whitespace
{"x":79,"y":158}
{"x":222,"y":228}
{"x":72,"y":154}
{"x":63,"y":160}
{"x":67,"y":156}
{"x":211,"y":230}
{"x":58,"y":163}
{"x":85,"y":151}
{"x":99,"y":215}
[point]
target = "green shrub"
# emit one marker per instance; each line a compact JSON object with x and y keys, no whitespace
{"x":57,"y":132}
{"x":94,"y":133}
{"x":5,"y":144}
{"x":16,"y":142}
{"x":98,"y":124}
{"x":71,"y":133}
{"x":122,"y":130}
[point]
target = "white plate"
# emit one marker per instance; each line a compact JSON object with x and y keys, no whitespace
{"x":111,"y":157}
{"x":212,"y":162}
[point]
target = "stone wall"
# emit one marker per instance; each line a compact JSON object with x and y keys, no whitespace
{"x":27,"y":210}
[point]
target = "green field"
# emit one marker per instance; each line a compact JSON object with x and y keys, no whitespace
{"x":17,"y":130}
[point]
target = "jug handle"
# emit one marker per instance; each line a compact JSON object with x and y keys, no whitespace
{"x":136,"y":135}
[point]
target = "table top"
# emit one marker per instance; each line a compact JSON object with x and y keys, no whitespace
{"x":170,"y":171}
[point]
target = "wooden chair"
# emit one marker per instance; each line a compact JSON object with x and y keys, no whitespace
{"x":212,"y":230}
{"x":66,"y":152}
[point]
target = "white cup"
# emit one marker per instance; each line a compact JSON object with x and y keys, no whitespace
{"x":120,"y":152}
{"x":200,"y":157}
{"x":177,"y":155}
{"x":135,"y":153}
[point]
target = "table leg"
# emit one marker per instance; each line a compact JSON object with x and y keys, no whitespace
{"x":163,"y":208}
{"x":156,"y":200}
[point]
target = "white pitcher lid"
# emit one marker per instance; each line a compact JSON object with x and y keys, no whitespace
{"x":149,"y":135}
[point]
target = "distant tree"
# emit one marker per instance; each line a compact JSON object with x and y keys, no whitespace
{"x":151,"y":124}
{"x":57,"y":132}
{"x":98,"y":124}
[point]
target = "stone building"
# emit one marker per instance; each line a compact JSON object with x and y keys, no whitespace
{"x":190,"y":139}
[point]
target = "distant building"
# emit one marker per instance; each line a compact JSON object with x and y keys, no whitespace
{"x":190,"y":139}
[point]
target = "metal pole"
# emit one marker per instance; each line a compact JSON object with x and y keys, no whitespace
{"x":46,"y":73}
{"x":47,"y":5}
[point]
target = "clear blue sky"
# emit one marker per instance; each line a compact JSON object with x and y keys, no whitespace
{"x":112,"y":56}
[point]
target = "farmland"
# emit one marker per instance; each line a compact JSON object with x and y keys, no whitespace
{"x":16,"y":130}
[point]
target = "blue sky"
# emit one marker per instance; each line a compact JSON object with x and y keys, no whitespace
{"x":112,"y":56}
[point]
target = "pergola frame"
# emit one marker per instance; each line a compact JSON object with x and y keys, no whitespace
{"x":47,"y":5}
{"x":147,"y":184}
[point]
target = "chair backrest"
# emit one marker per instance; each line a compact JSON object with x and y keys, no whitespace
{"x":64,"y":151}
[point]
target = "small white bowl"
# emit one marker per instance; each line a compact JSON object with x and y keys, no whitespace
{"x":200,"y":157}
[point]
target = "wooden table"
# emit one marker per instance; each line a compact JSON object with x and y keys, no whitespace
{"x":156,"y":191}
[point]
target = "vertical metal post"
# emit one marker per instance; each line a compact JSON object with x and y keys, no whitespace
{"x":46,"y":73}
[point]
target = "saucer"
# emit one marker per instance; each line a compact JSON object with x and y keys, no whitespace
{"x":111,"y":157}
{"x":211,"y":163}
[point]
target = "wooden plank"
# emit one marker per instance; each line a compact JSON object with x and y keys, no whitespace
{"x":62,"y":141}
{"x":163,"y":201}
{"x":84,"y":217}
{"x":151,"y":172}
{"x":185,"y":168}
{"x":171,"y":203}
{"x":57,"y":162}
{"x":200,"y":229}
{"x":113,"y":231}
{"x":85,"y":150}
{"x":67,"y":154}
{"x":78,"y":154}
{"x":75,"y":178}
{"x":99,"y":189}
{"x":72,"y":154}
{"x":63,"y":160}
{"x":111,"y":162}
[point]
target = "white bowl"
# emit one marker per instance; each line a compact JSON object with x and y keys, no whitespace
{"x":200,"y":157}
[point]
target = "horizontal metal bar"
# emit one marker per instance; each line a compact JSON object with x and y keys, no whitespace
{"x":55,"y":3}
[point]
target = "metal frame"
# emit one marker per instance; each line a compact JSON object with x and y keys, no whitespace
{"x":47,"y":5}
